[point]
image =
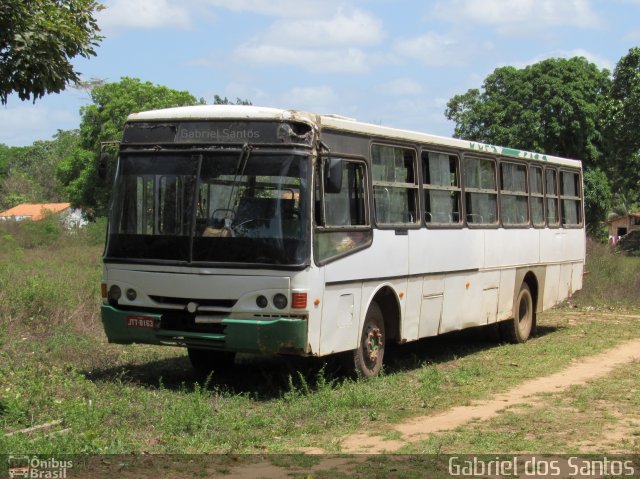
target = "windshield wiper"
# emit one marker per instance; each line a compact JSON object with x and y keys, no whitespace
{"x":240,"y":167}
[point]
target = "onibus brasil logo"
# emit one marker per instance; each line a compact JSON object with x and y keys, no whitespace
{"x":33,"y":467}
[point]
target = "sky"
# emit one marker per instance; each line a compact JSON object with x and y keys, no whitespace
{"x":389,"y":62}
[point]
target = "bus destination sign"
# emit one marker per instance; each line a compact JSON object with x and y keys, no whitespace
{"x":212,"y":133}
{"x":207,"y":132}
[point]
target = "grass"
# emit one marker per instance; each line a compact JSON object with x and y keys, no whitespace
{"x":55,"y":364}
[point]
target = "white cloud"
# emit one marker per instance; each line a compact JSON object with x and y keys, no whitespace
{"x":144,"y":14}
{"x":332,"y":44}
{"x":321,"y":99}
{"x":350,"y":60}
{"x":401,"y":87}
{"x":276,"y":8}
{"x":356,"y":28}
{"x":26,"y":123}
{"x":406,"y":113}
{"x":514,"y":15}
{"x":433,"y":49}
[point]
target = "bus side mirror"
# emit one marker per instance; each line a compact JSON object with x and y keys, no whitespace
{"x":333,"y":175}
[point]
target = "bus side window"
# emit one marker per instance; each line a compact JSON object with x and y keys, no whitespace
{"x":551,"y":196}
{"x":346,"y":208}
{"x":514,"y":194}
{"x":537,"y":196}
{"x":441,"y":188}
{"x":570,"y":198}
{"x":346,"y":226}
{"x":481,"y":191}
{"x":395,"y":187}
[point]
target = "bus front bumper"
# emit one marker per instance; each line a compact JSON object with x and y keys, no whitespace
{"x":269,"y":336}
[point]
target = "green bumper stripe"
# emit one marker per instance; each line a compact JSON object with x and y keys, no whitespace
{"x":278,"y":335}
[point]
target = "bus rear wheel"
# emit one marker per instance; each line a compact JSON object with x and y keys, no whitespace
{"x":521,"y":326}
{"x":205,"y":360}
{"x":368,"y":357}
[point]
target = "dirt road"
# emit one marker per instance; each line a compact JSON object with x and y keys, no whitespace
{"x":419,"y":428}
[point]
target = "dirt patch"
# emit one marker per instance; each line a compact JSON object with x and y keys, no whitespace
{"x":276,"y":466}
{"x":265,"y":469}
{"x":419,"y":428}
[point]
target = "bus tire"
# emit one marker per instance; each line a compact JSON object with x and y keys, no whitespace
{"x":368,"y":357}
{"x":205,"y":360}
{"x":521,"y":326}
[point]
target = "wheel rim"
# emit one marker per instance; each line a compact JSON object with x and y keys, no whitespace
{"x":373,"y":346}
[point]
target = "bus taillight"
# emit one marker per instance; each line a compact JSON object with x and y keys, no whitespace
{"x":299,"y":300}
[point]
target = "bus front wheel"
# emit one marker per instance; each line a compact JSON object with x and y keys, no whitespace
{"x":367,"y":358}
{"x":521,"y":326}
{"x":205,"y":360}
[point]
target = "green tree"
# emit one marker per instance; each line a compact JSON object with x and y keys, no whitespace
{"x":5,"y":155}
{"x":38,"y":40}
{"x":30,"y":171}
{"x":557,"y":106}
{"x":598,"y":201}
{"x":103,"y":121}
{"x":18,"y":188}
{"x":218,"y":100}
{"x":552,"y":106}
{"x":623,"y":127}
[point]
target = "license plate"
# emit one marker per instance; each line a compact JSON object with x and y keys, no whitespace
{"x":141,"y":322}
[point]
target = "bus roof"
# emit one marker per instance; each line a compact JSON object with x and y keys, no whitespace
{"x":336,"y":122}
{"x":222,"y":112}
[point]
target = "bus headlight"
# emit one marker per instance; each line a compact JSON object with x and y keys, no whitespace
{"x":131,"y":294}
{"x":280,"y":301}
{"x":115,"y":293}
{"x":262,"y":302}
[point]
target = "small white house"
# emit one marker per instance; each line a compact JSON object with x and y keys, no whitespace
{"x":70,"y":217}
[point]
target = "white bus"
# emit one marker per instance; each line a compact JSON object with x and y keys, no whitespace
{"x":247,"y":229}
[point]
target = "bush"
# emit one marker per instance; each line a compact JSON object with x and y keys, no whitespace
{"x":94,"y":233}
{"x":15,"y":235}
{"x":45,"y":288}
{"x":29,"y":234}
{"x":41,"y":297}
{"x":8,"y":245}
{"x":33,"y":234}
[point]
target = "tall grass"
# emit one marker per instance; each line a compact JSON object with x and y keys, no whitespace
{"x":612,"y":279}
{"x":49,"y":277}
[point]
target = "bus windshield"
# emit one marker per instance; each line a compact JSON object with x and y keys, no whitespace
{"x":211,"y":208}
